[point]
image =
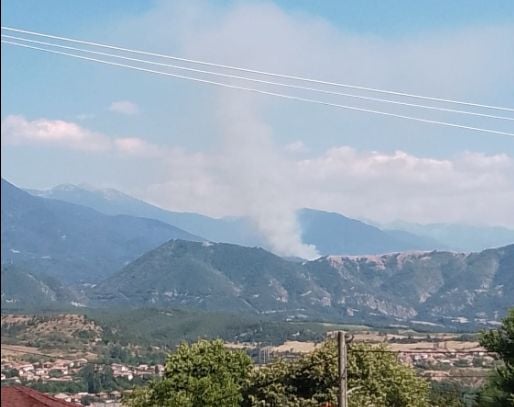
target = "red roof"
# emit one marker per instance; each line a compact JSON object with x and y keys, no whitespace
{"x":19,"y":396}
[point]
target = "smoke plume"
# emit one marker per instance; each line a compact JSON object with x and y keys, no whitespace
{"x":260,"y":176}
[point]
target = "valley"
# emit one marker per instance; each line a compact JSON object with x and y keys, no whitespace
{"x":53,"y":351}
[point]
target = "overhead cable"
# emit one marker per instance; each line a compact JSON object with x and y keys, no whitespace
{"x":258,"y":72}
{"x":224,"y":75}
{"x":264,"y":92}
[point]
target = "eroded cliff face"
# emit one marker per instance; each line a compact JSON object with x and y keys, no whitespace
{"x":439,"y":287}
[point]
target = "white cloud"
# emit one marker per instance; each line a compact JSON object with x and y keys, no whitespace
{"x":125,"y":107}
{"x":18,"y":131}
{"x":471,"y":188}
{"x":137,"y":147}
{"x":296,"y":147}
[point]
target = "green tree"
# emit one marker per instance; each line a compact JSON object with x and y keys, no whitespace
{"x":55,"y":373}
{"x":375,"y":379}
{"x":11,"y":372}
{"x":499,"y":391}
{"x":91,"y":378}
{"x":202,"y":374}
{"x":451,"y":394}
{"x":107,"y":381}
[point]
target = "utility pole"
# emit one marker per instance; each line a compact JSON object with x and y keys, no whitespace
{"x":342,"y":369}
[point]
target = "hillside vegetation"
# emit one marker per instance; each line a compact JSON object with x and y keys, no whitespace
{"x":21,"y":288}
{"x":428,"y":288}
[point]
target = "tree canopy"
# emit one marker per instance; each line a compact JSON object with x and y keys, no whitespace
{"x":374,"y":378}
{"x":204,"y":373}
{"x":499,"y":391}
{"x":207,"y":374}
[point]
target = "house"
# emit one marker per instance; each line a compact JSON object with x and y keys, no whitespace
{"x":26,"y":368}
{"x":63,"y":396}
{"x":116,"y":394}
{"x":20,"y":396}
{"x":80,"y":362}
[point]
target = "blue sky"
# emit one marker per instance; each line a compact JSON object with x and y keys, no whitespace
{"x":64,"y":86}
{"x":393,"y":17}
{"x":175,"y":143}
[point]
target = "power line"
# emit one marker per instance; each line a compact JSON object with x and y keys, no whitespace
{"x":224,"y":75}
{"x":258,"y":72}
{"x":315,"y":101}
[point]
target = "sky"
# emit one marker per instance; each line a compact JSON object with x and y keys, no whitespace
{"x":192,"y":147}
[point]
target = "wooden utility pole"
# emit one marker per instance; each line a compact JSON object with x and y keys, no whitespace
{"x":341,"y":348}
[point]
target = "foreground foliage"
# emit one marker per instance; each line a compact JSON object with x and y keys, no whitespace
{"x":374,"y":378}
{"x":499,"y":391}
{"x":201,"y":374}
{"x":451,"y":393}
{"x":207,"y":374}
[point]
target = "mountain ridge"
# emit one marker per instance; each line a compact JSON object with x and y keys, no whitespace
{"x":330,"y":232}
{"x":216,"y":229}
{"x":437,"y":287}
{"x":74,"y":242}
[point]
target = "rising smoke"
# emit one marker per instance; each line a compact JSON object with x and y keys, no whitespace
{"x":260,"y":176}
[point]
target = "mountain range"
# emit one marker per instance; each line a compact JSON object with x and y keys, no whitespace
{"x":331,"y":233}
{"x":100,"y":248}
{"x":73,"y":242}
{"x":112,"y":202}
{"x":428,"y":288}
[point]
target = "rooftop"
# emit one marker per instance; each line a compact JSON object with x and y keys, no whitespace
{"x":19,"y":396}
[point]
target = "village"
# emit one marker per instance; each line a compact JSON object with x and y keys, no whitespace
{"x":432,"y":360}
{"x":67,"y":371}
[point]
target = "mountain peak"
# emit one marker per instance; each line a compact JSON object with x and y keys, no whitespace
{"x":67,"y":187}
